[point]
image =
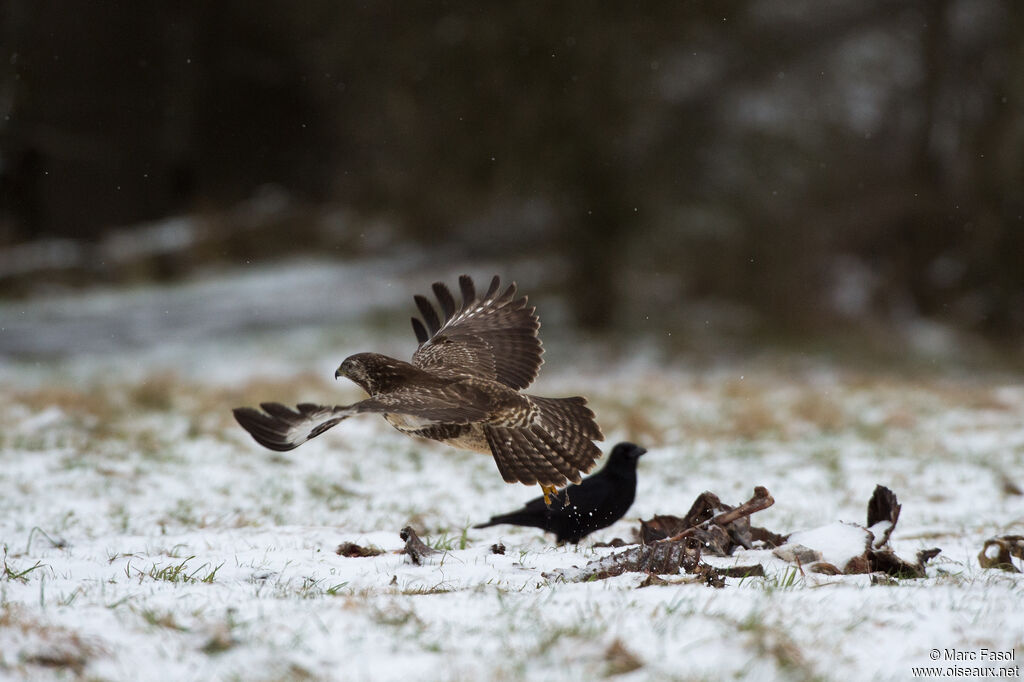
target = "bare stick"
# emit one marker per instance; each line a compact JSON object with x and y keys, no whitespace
{"x":762,"y":499}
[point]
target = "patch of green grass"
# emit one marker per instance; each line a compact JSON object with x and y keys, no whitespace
{"x":162,"y":619}
{"x":69,"y":598}
{"x":177,"y":573}
{"x":11,"y":572}
{"x":335,"y":590}
{"x":59,"y":543}
{"x":308,"y":587}
{"x":787,"y":580}
{"x":440,"y":588}
{"x":447,"y":543}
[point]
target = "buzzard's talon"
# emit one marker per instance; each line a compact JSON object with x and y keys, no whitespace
{"x":549,"y":490}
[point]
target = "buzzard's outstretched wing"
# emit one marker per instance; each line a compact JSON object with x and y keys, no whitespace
{"x":280,"y":428}
{"x":491,"y":337}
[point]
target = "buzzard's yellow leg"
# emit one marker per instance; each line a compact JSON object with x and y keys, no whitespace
{"x":548,"y":491}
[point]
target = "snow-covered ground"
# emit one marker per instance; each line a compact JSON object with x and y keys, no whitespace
{"x":145,"y":536}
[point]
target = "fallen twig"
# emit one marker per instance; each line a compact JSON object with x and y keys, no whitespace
{"x":762,"y":499}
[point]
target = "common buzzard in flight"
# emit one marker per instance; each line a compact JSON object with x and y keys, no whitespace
{"x":461,"y":388}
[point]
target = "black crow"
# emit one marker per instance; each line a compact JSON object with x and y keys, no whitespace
{"x":597,"y":502}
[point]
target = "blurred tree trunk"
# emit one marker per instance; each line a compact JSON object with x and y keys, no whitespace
{"x":994,"y":239}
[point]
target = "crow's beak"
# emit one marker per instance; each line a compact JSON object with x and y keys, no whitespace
{"x":641,"y":451}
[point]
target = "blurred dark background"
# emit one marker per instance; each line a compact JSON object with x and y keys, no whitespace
{"x":784,"y":165}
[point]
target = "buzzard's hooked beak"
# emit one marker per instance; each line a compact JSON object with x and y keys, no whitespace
{"x":344,"y":370}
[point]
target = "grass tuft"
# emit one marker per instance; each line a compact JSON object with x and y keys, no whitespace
{"x":19,"y":574}
{"x":179,"y":573}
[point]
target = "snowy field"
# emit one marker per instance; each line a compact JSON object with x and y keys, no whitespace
{"x":145,"y":536}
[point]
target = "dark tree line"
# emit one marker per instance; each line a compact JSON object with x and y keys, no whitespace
{"x":806,"y":162}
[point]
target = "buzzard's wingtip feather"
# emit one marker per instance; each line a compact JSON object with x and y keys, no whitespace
{"x":262,"y":428}
{"x":248,"y":418}
{"x":444,"y":297}
{"x":506,"y":297}
{"x":278,"y":411}
{"x":493,"y":289}
{"x":468,"y":290}
{"x":421,"y":333}
{"x":428,"y":312}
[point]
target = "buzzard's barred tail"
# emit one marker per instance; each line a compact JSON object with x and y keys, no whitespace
{"x":569,"y":425}
{"x":280,"y":428}
{"x":553,"y":450}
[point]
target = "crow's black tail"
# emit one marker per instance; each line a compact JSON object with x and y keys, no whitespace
{"x":523,"y":517}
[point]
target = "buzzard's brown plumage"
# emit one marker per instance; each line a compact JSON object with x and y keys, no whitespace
{"x":461,"y":388}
